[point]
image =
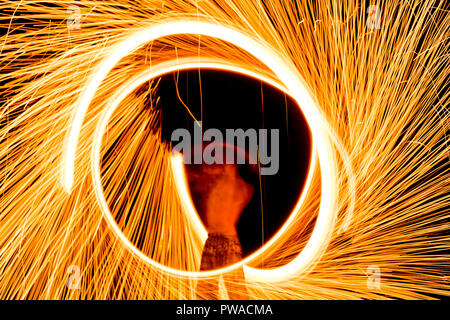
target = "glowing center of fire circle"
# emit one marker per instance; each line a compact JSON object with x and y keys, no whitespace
{"x":293,"y":85}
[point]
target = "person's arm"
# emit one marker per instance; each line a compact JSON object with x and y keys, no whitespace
{"x":227,"y":197}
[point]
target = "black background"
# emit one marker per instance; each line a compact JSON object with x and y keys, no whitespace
{"x":230,"y":101}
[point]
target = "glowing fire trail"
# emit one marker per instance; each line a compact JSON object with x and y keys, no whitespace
{"x":382,"y":110}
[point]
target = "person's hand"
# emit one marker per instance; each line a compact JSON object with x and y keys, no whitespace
{"x":227,"y":197}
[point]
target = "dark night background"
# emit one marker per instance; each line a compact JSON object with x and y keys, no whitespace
{"x":232,"y":101}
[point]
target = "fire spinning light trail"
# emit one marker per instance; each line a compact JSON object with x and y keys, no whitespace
{"x":82,"y":157}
